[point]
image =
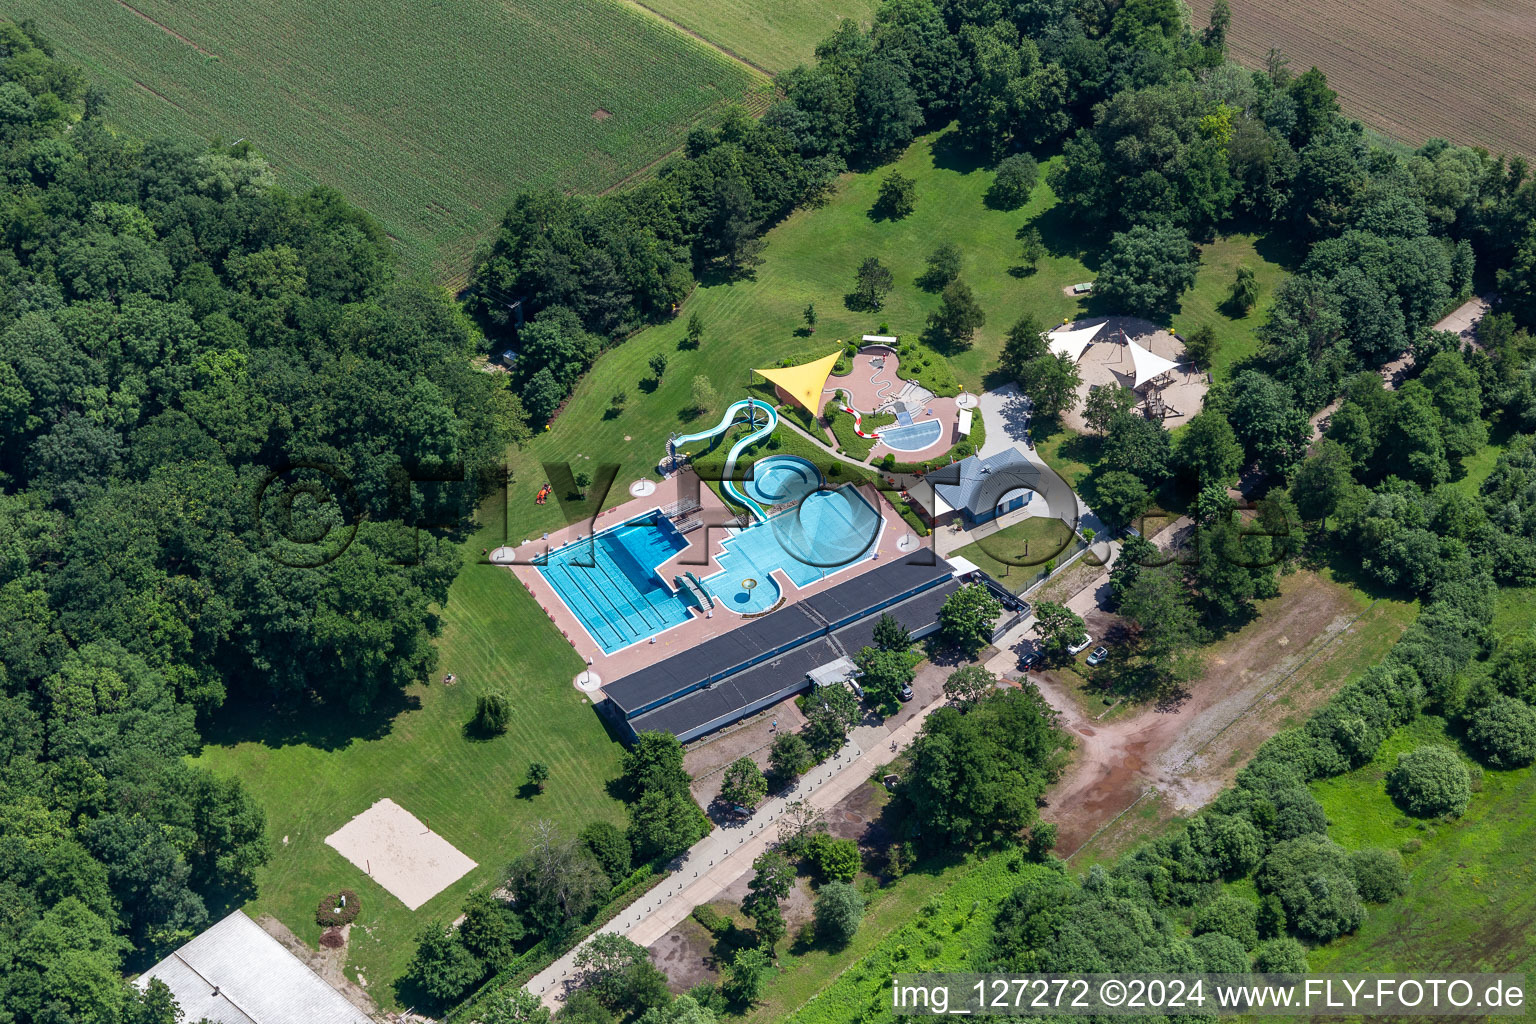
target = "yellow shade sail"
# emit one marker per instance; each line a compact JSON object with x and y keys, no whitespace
{"x":804,"y":383}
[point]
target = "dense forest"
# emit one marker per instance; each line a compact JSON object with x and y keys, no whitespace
{"x":178,"y":334}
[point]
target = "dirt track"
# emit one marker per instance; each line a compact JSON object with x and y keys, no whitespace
{"x":1188,"y":753}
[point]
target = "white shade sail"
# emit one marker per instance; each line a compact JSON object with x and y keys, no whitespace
{"x":1071,"y":343}
{"x":1149,"y":365}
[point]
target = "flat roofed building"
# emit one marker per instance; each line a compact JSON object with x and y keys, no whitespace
{"x":236,"y":973}
{"x":769,"y":658}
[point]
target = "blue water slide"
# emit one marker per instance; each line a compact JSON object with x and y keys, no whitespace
{"x":728,"y":483}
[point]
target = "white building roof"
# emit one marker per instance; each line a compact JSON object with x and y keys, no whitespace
{"x":1071,"y":343}
{"x":1148,"y":364}
{"x":235,"y":973}
{"x":962,"y":566}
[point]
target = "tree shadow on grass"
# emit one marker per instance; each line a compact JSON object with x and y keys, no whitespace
{"x":1065,"y":236}
{"x":649,"y":385}
{"x":950,"y":153}
{"x":302,"y":721}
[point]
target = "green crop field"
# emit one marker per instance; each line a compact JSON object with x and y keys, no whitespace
{"x":429,"y":114}
{"x":771,"y":34}
{"x":311,"y":780}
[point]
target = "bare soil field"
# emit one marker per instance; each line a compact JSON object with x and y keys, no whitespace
{"x":1463,"y":70}
{"x":1269,"y":675}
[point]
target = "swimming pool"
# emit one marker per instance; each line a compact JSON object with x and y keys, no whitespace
{"x":823,"y":534}
{"x":782,"y":479}
{"x":609,"y":581}
{"x":912,"y":437}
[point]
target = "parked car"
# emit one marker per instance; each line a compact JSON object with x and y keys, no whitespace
{"x":1099,"y":654}
{"x":906,"y":692}
{"x":1081,"y":645}
{"x":1031,"y":658}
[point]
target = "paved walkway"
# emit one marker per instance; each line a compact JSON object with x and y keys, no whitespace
{"x":726,"y":854}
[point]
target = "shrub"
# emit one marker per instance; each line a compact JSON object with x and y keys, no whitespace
{"x":442,"y":968}
{"x":1430,"y":781}
{"x":1504,"y":732}
{"x":1231,"y":916}
{"x":1042,"y":840}
{"x":1312,"y":877}
{"x":1016,"y":179}
{"x":834,"y":859}
{"x":712,"y":920}
{"x":610,"y":846}
{"x":338,"y":908}
{"x":838,"y":912}
{"x":493,"y":712}
{"x":1280,"y":956}
{"x":1221,"y":954}
{"x":331,"y":938}
{"x":1379,"y":874}
{"x":491,"y":930}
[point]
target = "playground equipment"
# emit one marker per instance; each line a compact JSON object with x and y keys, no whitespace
{"x":727,"y":476}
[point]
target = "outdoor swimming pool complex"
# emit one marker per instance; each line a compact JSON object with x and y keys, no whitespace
{"x":609,"y":581}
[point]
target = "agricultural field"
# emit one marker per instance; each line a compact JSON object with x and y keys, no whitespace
{"x":1463,"y":70}
{"x":311,"y":780}
{"x":773,"y":36}
{"x":434,"y":115}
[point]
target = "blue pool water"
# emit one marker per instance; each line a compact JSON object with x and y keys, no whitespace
{"x":828,"y":531}
{"x":609,"y":581}
{"x":913,"y":437}
{"x":782,"y":479}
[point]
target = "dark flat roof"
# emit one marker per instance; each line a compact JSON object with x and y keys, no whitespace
{"x":792,"y":624}
{"x":914,"y":613}
{"x":713,"y":657}
{"x":735,"y":693}
{"x":896,"y":576}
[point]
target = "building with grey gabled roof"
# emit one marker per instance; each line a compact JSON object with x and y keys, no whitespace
{"x":236,"y":973}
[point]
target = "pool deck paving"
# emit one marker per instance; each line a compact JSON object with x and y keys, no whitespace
{"x":700,"y":557}
{"x":869,"y":387}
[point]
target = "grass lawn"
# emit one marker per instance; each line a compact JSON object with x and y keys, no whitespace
{"x":1206,"y":303}
{"x":312,"y":780}
{"x":811,"y":258}
{"x":430,"y":116}
{"x":1026,"y":545}
{"x":1471,"y":900}
{"x":938,"y":918}
{"x":775,"y":36}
